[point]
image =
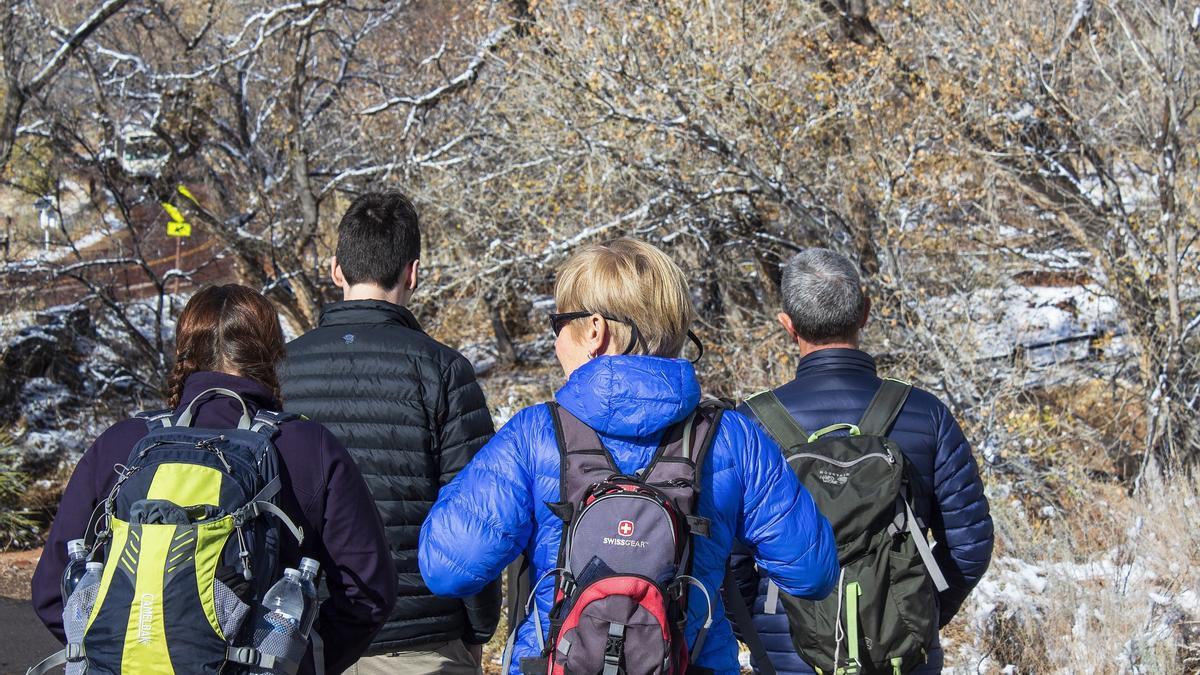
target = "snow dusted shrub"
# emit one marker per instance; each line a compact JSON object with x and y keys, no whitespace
{"x":1105,"y":589}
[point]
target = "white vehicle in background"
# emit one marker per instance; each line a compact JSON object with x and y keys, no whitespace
{"x":141,"y":152}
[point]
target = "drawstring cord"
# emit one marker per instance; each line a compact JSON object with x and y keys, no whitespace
{"x":837,"y":623}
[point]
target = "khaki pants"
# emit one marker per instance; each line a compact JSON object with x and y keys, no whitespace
{"x":447,"y":658}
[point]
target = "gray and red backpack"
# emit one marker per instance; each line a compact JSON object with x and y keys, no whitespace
{"x":624,"y":564}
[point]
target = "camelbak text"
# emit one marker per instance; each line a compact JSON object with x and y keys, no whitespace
{"x":146,"y":618}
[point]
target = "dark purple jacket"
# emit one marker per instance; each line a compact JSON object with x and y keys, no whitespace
{"x":323,"y":493}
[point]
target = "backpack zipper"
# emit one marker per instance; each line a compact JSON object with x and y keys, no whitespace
{"x":207,"y":444}
{"x":845,"y":465}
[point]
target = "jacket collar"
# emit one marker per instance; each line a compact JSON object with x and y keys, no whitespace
{"x":631,"y":396}
{"x":826,"y":361}
{"x":358,"y":312}
{"x":253,"y":392}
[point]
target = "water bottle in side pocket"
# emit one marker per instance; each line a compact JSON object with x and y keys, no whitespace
{"x":78,"y":608}
{"x":279,"y":631}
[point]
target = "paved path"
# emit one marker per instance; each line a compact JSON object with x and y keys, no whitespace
{"x":23,"y":639}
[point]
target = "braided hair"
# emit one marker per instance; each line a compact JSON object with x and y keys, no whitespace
{"x":232,"y":329}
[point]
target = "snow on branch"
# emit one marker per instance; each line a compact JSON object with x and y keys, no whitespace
{"x":457,"y":83}
{"x":81,"y":33}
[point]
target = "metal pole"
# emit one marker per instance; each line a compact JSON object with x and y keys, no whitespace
{"x":178,"y":264}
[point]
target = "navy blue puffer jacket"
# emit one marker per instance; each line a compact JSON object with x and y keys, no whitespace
{"x":835,"y":385}
{"x":496,"y":508}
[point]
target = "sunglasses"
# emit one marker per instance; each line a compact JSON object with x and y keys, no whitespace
{"x":559,"y":321}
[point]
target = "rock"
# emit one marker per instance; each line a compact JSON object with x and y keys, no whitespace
{"x":54,"y":349}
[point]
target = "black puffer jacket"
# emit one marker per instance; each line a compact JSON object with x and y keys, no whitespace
{"x":411,"y":414}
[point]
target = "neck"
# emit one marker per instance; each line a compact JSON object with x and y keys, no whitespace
{"x":807,"y":348}
{"x":397,"y":296}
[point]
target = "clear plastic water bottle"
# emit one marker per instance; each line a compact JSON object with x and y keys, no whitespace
{"x":308,"y":580}
{"x":76,"y":567}
{"x":78,"y":608}
{"x":278,"y":632}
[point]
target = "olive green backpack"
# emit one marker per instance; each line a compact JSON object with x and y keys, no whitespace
{"x":884,"y":614}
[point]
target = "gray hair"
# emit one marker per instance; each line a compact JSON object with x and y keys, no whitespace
{"x":823,"y":295}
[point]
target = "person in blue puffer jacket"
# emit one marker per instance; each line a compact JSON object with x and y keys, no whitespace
{"x":824,"y":310}
{"x":625,"y":315}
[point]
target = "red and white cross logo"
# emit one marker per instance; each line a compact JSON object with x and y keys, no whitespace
{"x":625,"y":528}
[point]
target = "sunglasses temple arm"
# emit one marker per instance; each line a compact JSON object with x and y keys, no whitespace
{"x":699,"y":346}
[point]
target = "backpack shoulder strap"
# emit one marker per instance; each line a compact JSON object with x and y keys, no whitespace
{"x":881,"y":413}
{"x":267,"y":422}
{"x":778,"y":422}
{"x":583,"y":459}
{"x":679,"y":462}
{"x":156,"y":419}
{"x":745,"y":623}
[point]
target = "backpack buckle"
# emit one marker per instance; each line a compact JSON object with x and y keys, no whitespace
{"x":614,"y":646}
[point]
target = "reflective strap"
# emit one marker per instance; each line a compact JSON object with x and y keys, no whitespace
{"x":614,"y":648}
{"x":318,"y":649}
{"x":266,"y":422}
{"x":853,"y":590}
{"x":508,"y":652}
{"x":564,"y":647}
{"x":185,"y":417}
{"x":689,"y":429}
{"x":55,"y":660}
{"x":931,"y":566}
{"x":896,"y":666}
{"x":257,"y":508}
{"x":157,"y":419}
{"x":698,"y":645}
{"x":531,"y":608}
{"x":772,"y":604}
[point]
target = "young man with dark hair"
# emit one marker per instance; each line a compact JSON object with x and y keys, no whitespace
{"x":411,"y":414}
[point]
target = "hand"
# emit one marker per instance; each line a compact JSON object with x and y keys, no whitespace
{"x":476,"y":652}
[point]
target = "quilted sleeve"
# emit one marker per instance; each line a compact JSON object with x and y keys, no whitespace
{"x":465,"y":423}
{"x":792,"y":542}
{"x":960,"y":519}
{"x":483,"y":518}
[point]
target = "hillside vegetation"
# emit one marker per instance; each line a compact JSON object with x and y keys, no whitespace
{"x":1018,"y":181}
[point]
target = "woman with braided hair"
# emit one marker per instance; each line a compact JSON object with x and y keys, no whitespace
{"x":229,"y":337}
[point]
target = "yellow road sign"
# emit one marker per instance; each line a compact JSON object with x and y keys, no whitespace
{"x":187,"y":193}
{"x":177,"y":226}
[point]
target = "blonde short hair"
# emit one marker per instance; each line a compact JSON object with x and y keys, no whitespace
{"x":629,"y":280}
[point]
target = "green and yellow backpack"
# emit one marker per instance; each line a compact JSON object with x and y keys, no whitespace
{"x":193,"y":512}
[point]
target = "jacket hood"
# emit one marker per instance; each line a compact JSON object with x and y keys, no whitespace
{"x":631,"y":396}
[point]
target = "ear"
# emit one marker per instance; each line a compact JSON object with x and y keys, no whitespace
{"x":335,"y":273}
{"x":786,"y":321}
{"x":596,"y":335}
{"x":866,"y":312}
{"x":412,"y":277}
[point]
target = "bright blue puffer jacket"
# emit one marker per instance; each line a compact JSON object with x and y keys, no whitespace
{"x":835,"y":385}
{"x":496,"y":508}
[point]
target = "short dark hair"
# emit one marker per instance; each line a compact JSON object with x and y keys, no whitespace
{"x":377,"y":238}
{"x":823,"y":296}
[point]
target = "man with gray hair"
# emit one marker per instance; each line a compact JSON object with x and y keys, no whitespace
{"x":825,"y":310}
